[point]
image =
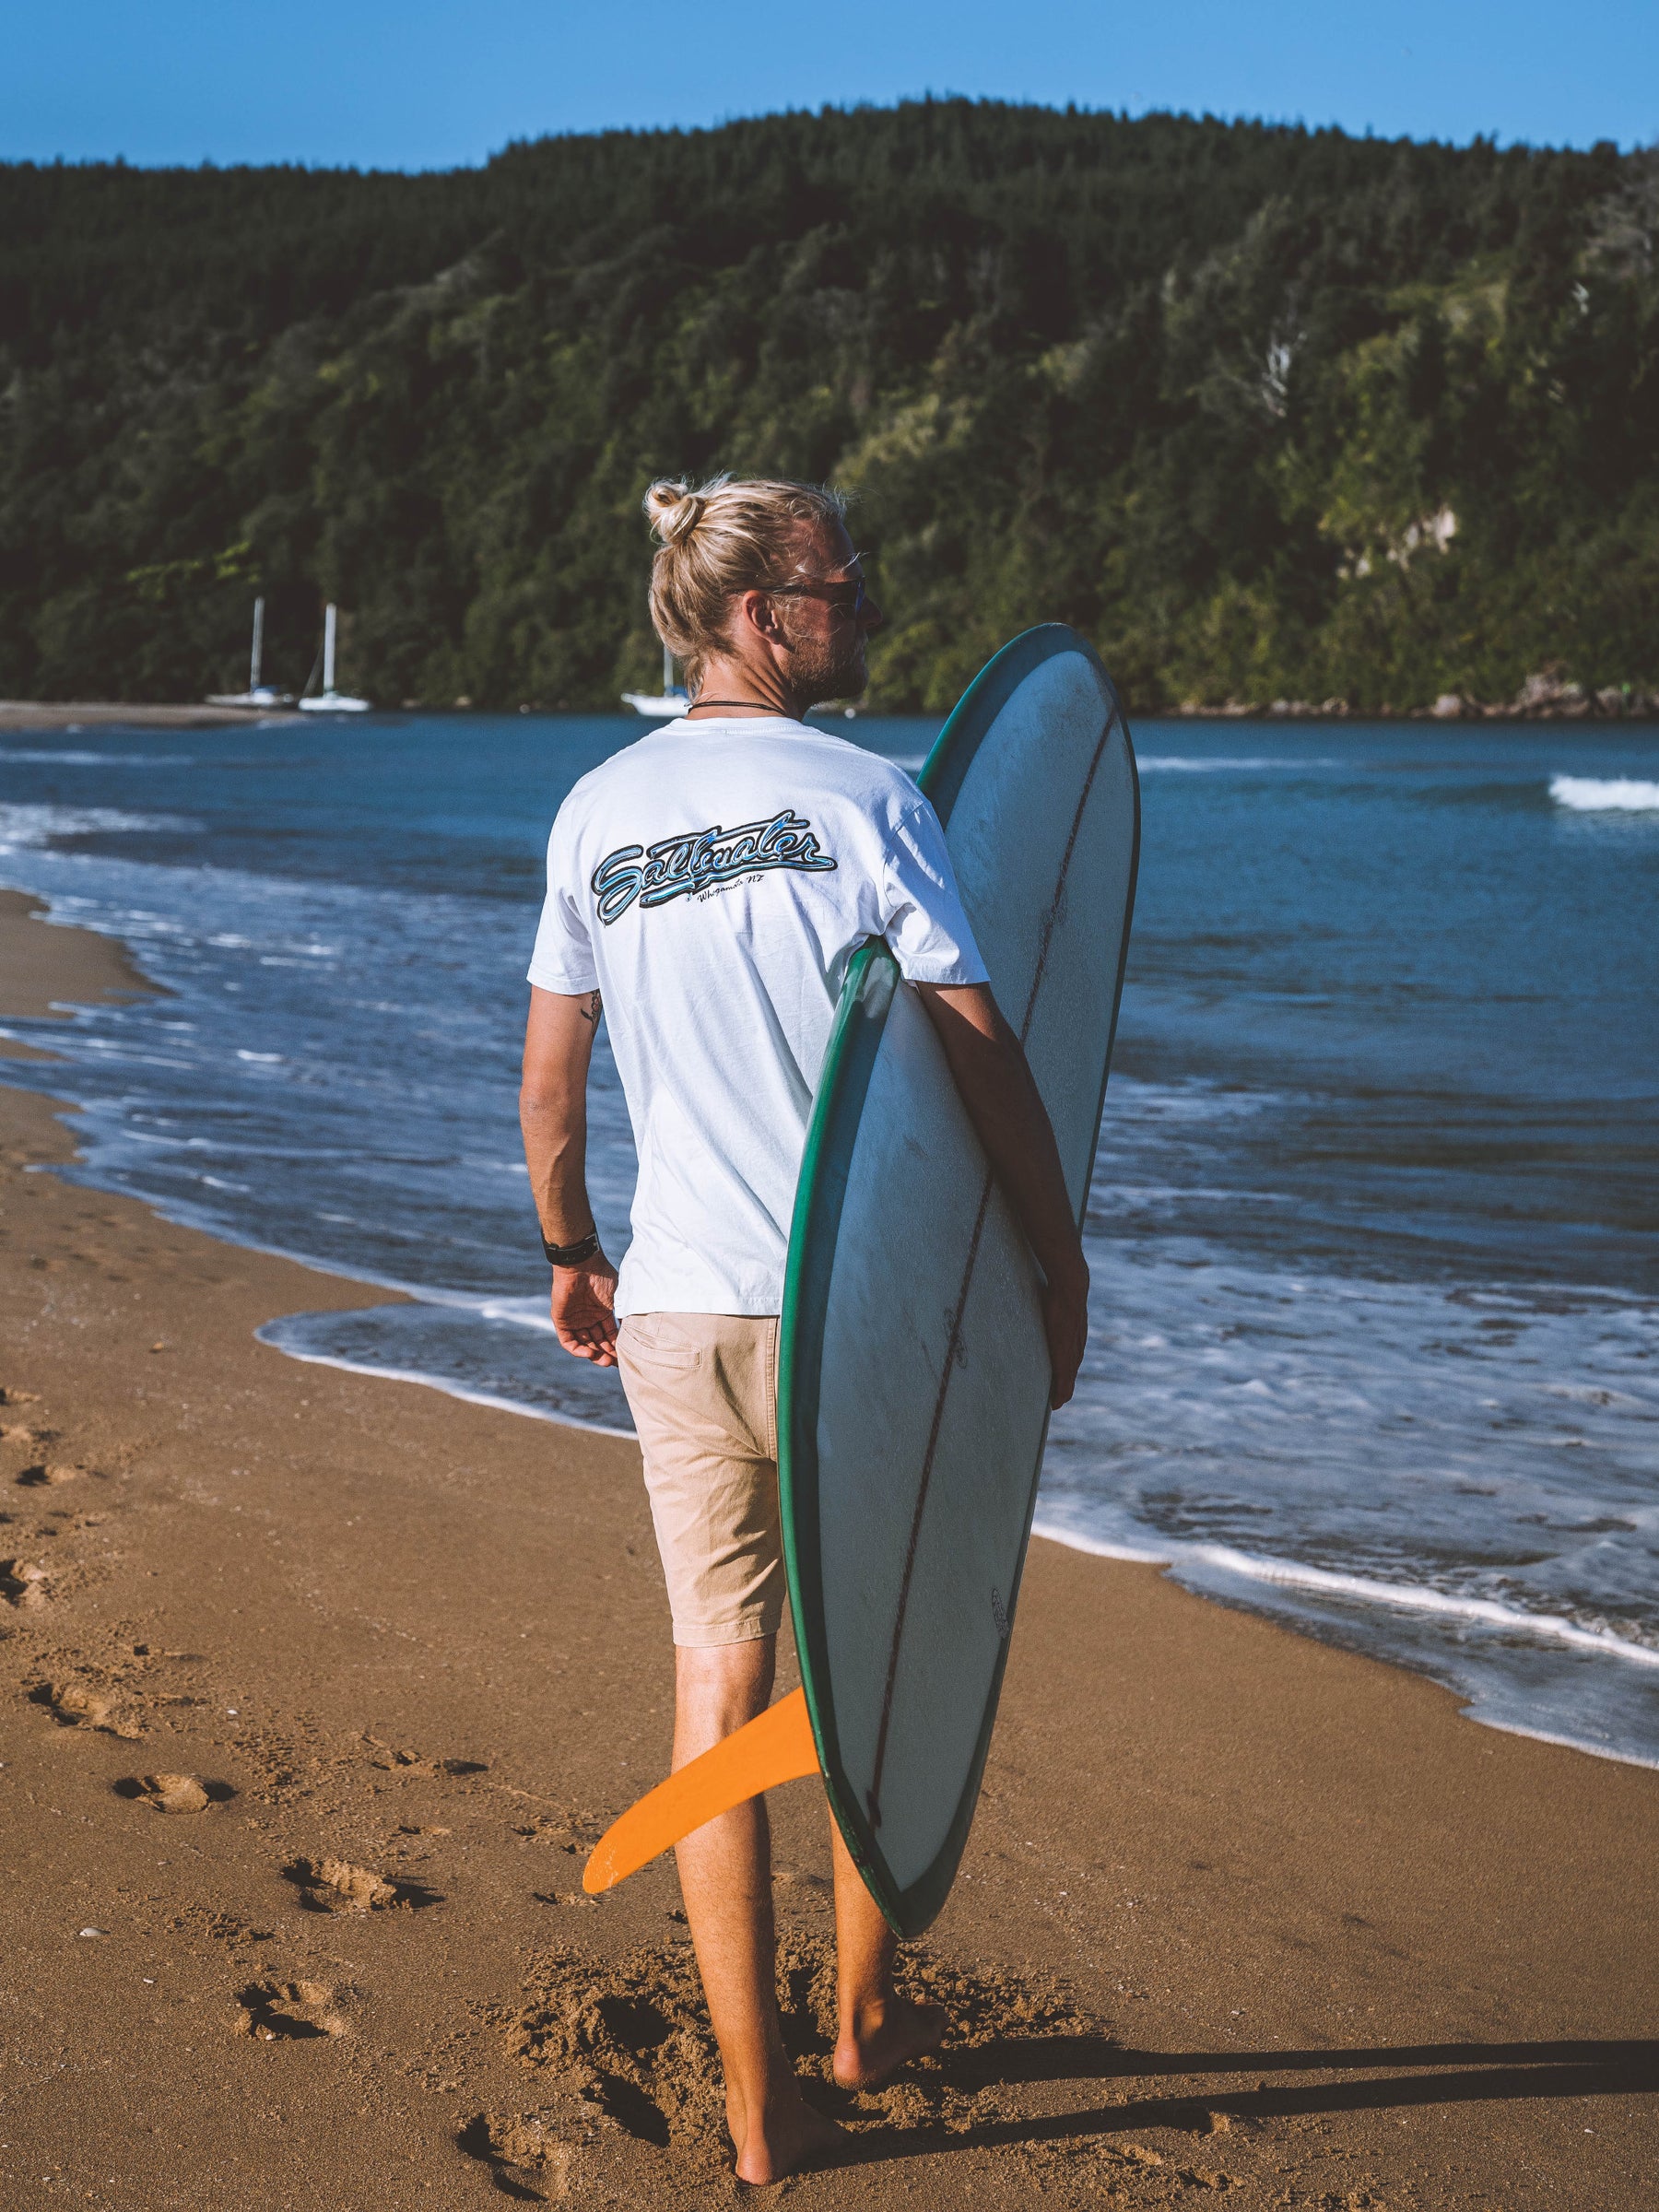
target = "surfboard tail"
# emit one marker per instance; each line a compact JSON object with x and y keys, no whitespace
{"x":776,"y":1747}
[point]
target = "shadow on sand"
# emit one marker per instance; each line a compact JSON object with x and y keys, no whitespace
{"x":1474,"y":2072}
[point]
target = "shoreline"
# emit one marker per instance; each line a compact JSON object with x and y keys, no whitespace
{"x":38,"y":983}
{"x":1240,"y":1910}
{"x":1409,"y":1598}
{"x":1643,"y":709}
{"x":1252,"y":1571}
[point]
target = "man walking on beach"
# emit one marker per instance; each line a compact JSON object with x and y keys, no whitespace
{"x":707,"y":886}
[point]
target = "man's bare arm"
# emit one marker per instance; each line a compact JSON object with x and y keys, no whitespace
{"x":1012,"y":1124}
{"x":558,"y":1045}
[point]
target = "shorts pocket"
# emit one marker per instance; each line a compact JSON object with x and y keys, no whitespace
{"x":653,"y":1342}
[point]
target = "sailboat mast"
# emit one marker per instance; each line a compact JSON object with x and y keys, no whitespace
{"x":258,"y":653}
{"x":329,"y":624}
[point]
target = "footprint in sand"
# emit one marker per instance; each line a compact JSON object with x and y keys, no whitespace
{"x":337,"y":1886}
{"x":395,"y":1759}
{"x":50,"y":1475}
{"x":10,"y":1397}
{"x":77,"y":1705}
{"x":274,"y":2012}
{"x":23,"y":1585}
{"x":569,"y":1835}
{"x":174,"y":1793}
{"x":629,"y":2036}
{"x":545,"y":2152}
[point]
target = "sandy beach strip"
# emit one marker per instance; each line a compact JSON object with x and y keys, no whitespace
{"x":72,"y":714}
{"x":316,"y":1689}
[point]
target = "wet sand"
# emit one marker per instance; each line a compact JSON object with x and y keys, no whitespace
{"x":316,"y":1689}
{"x":45,"y":972}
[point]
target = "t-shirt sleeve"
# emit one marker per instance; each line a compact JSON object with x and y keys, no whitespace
{"x":563,"y":959}
{"x":923,"y":919}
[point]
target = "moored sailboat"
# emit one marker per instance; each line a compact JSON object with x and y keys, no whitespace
{"x":257,"y":694}
{"x":663,"y":706}
{"x":329,"y":700}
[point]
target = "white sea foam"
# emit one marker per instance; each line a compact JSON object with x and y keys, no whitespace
{"x":1103,"y":1197}
{"x":45,"y":760}
{"x":1098,"y":1548}
{"x":1419,"y":1598}
{"x":1193,"y":764}
{"x":522,"y":1313}
{"x":24,"y":828}
{"x":1604,"y":795}
{"x":1291,"y":1574}
{"x":1568,"y":1743}
{"x":1192,"y":1101}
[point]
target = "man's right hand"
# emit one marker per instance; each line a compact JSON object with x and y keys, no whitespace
{"x":584,"y":1310}
{"x":1065,"y":1325}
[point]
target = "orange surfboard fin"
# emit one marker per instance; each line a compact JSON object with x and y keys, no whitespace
{"x":775,"y":1746}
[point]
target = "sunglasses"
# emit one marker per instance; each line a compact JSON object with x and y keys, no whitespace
{"x":849,"y":598}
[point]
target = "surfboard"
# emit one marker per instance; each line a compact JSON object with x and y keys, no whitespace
{"x":914,"y":1374}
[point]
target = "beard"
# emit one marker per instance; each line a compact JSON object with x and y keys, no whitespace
{"x":824,"y":668}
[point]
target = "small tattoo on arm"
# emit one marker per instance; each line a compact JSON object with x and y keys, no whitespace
{"x":591,"y":1011}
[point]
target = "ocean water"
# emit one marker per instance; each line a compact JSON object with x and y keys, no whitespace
{"x":1372,"y":1224}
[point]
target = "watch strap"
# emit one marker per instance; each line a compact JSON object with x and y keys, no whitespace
{"x":572,"y":1255}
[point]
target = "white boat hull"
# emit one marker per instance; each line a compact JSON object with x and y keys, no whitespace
{"x":661,"y":706}
{"x":335,"y":702}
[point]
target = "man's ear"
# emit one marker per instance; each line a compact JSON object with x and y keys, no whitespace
{"x":758,"y":611}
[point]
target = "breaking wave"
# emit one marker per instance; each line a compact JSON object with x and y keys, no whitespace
{"x":1604,"y":795}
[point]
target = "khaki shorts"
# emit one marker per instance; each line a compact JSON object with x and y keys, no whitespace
{"x":703,"y":1392}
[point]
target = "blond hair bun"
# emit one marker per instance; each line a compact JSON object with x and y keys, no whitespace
{"x":674,"y":509}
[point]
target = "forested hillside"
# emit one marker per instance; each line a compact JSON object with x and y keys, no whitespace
{"x":1267,"y":412}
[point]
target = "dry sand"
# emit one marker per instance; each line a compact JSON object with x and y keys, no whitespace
{"x":316,"y":1688}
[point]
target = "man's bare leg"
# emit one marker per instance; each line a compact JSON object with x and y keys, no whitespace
{"x":878,"y":2028}
{"x":725,"y":1880}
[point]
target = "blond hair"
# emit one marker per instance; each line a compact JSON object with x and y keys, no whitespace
{"x":717,"y":539}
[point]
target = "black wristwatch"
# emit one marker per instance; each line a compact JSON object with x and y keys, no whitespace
{"x":572,"y":1255}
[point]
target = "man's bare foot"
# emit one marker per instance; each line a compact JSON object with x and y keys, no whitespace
{"x":789,"y":2136}
{"x":864,"y":2059}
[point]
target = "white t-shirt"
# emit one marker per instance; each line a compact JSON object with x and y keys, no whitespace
{"x":713,"y":881}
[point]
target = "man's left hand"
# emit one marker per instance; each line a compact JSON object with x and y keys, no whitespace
{"x":584,"y":1310}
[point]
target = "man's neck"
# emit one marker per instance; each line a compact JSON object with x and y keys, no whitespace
{"x":738,"y":686}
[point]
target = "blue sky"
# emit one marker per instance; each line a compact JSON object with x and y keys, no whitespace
{"x":428,"y":83}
